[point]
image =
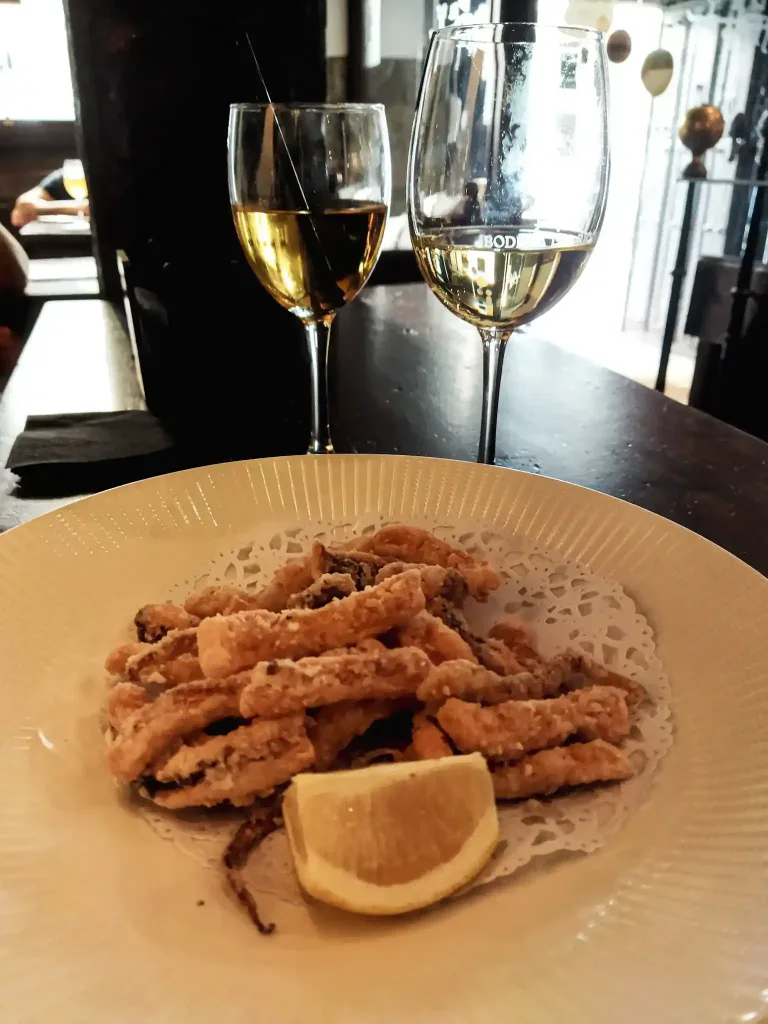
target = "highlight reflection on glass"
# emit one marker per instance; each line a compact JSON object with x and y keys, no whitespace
{"x":310,"y":190}
{"x":507,"y":177}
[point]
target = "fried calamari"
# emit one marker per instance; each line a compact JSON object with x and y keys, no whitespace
{"x":279,"y":687}
{"x":509,"y":730}
{"x":543,"y":773}
{"x":357,"y":653}
{"x":228,"y":644}
{"x":248,"y":762}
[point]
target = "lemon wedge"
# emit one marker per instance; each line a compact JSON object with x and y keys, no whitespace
{"x":392,"y":838}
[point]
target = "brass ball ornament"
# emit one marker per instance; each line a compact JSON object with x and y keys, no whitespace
{"x":702,"y":128}
{"x":657,"y":70}
{"x":619,"y":46}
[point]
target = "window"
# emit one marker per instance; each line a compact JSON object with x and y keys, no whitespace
{"x":35,"y":80}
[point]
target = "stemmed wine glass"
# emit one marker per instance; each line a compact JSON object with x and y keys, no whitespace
{"x":507,"y":177}
{"x":310,"y":190}
{"x":73,"y":177}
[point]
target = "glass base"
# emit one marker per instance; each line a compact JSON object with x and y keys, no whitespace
{"x":316,"y":448}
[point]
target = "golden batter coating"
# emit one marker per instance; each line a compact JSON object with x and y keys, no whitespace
{"x":412,"y":544}
{"x":585,"y":670}
{"x":238,"y":767}
{"x":428,"y":740}
{"x":280,"y":687}
{"x":562,"y":674}
{"x":364,"y":647}
{"x":360,"y":565}
{"x":144,"y":734}
{"x":334,"y":727}
{"x":117,"y":659}
{"x":153,"y":621}
{"x":508,"y":731}
{"x":122,"y":700}
{"x":519,"y":638}
{"x":170,"y":661}
{"x":223,"y":600}
{"x":229,"y":644}
{"x":326,"y":588}
{"x":438,"y":641}
{"x":440,"y":585}
{"x":471,"y":682}
{"x":491,"y":654}
{"x":543,"y":773}
{"x":289,"y":579}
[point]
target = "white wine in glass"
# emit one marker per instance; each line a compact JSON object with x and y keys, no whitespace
{"x":499,"y":286}
{"x":74,"y":179}
{"x":310,"y":190}
{"x":312,"y":263}
{"x":507,"y":177}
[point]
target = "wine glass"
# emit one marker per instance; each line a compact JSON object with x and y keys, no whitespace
{"x":507,"y":177}
{"x":73,"y":178}
{"x":310,"y":189}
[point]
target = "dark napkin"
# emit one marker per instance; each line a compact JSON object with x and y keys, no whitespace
{"x":80,"y":453}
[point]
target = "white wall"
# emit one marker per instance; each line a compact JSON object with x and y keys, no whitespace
{"x":599,"y":297}
{"x":662,"y":198}
{"x":336,"y":28}
{"x":397,"y":31}
{"x":402,"y":29}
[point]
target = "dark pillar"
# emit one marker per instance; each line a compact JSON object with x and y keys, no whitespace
{"x":221,"y":361}
{"x":515,"y":10}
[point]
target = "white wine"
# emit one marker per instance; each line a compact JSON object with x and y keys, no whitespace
{"x":312,"y":263}
{"x":499,"y":277}
{"x":77,"y":188}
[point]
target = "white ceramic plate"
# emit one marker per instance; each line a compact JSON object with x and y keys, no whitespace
{"x":101,"y":920}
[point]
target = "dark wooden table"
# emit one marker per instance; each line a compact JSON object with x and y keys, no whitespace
{"x":57,"y":236}
{"x":406,"y":379}
{"x":77,"y":359}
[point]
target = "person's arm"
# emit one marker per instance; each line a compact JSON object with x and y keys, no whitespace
{"x":32,"y":204}
{"x":14,"y":264}
{"x":28,"y":206}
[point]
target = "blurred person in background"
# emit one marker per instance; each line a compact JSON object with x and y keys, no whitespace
{"x":13,"y":280}
{"x":13,"y":265}
{"x":50,"y":196}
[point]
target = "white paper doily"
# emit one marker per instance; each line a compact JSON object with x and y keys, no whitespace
{"x":568,"y":606}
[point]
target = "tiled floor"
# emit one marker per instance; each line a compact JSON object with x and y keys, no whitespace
{"x":589,"y":322}
{"x":634,"y":354}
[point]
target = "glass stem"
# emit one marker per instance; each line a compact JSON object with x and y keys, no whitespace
{"x":318,"y":337}
{"x":494,"y":342}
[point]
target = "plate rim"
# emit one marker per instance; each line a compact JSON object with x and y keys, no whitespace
{"x":86,"y":499}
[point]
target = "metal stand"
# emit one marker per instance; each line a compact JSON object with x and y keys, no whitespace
{"x":678,"y":277}
{"x":702,"y":128}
